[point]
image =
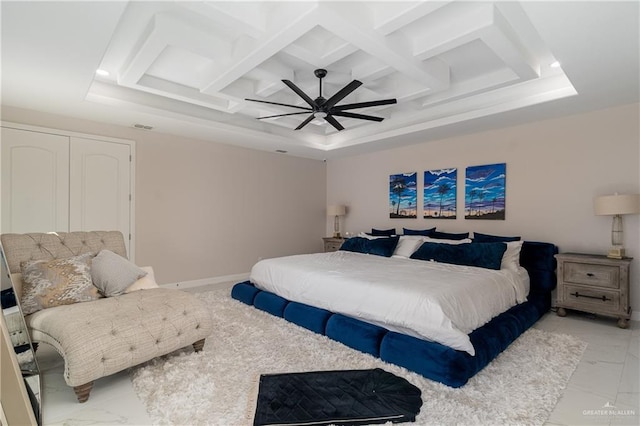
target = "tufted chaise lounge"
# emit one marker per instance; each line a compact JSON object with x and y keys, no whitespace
{"x":107,"y":335}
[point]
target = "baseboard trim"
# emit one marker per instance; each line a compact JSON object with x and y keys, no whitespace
{"x":212,"y":281}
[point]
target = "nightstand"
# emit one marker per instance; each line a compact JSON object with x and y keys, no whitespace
{"x":595,"y":284}
{"x":332,"y":243}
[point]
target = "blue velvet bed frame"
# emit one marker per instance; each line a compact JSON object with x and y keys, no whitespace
{"x":432,"y":360}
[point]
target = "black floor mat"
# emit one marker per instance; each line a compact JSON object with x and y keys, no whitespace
{"x":352,"y":397}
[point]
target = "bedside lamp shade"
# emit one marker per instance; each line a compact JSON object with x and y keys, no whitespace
{"x":616,"y":205}
{"x":336,"y":211}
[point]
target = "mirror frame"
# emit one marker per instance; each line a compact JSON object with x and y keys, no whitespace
{"x":28,"y":364}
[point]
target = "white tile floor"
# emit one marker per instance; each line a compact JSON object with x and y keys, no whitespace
{"x":608,"y":375}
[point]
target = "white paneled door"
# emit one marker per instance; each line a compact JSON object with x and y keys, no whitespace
{"x":63,"y":181}
{"x":99,"y":186}
{"x":35,"y":181}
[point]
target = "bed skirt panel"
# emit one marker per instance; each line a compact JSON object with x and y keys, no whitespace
{"x":309,"y":317}
{"x":356,"y":334}
{"x":430,"y":359}
{"x":271,"y":303}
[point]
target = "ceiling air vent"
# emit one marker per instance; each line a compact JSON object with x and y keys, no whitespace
{"x":142,"y":126}
{"x":281,"y":151}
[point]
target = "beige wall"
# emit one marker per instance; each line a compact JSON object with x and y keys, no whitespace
{"x":208,"y":210}
{"x":554,"y":170}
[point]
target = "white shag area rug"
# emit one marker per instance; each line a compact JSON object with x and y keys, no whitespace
{"x":218,"y":385}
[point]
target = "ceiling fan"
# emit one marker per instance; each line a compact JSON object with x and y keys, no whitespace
{"x":327,"y":108}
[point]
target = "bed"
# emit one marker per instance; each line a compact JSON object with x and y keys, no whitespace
{"x":335,"y":294}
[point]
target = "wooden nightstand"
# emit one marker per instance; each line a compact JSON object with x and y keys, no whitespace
{"x":332,"y":244}
{"x":594,"y":283}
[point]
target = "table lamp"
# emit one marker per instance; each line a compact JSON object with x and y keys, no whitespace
{"x":616,"y":205}
{"x":336,"y":211}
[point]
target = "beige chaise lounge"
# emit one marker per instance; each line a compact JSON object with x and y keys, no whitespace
{"x":104,"y":336}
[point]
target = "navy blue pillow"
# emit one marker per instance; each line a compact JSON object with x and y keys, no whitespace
{"x":447,"y":236}
{"x":482,"y":255}
{"x":423,"y":232}
{"x":487,"y":238}
{"x":379,"y":246}
{"x":383,"y":232}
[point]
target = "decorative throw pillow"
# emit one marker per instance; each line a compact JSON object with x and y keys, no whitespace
{"x":482,"y":255}
{"x":487,"y":238}
{"x":57,"y":282}
{"x":407,"y":245}
{"x":383,"y":232}
{"x":112,"y":273}
{"x":423,"y":232}
{"x":144,"y":283}
{"x":379,"y":246}
{"x":449,"y":236}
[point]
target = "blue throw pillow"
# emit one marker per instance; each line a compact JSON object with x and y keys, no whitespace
{"x":378,"y":247}
{"x":355,"y":244}
{"x":423,"y":232}
{"x":487,"y":238}
{"x":448,"y":236}
{"x":482,"y":255}
{"x":383,"y":232}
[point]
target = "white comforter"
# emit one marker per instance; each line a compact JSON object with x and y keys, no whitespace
{"x":428,"y":300}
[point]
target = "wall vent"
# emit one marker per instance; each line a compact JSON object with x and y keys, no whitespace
{"x":142,"y":126}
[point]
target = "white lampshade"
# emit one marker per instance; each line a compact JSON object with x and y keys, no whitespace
{"x":617,"y":204}
{"x":336,"y":210}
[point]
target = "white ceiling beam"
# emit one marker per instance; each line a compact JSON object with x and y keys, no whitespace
{"x":164,"y":30}
{"x":504,"y":41}
{"x":254,"y":54}
{"x":453,"y":31}
{"x":238,"y":17}
{"x":388,"y":50}
{"x":388,"y":19}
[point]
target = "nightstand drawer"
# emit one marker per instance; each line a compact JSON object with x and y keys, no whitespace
{"x":332,"y":246}
{"x":590,"y":299}
{"x":591,"y":274}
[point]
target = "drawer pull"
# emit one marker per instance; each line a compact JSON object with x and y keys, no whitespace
{"x":603,"y":298}
{"x":589,"y":274}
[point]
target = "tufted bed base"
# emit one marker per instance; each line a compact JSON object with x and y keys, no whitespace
{"x":430,"y":359}
{"x":108,"y":335}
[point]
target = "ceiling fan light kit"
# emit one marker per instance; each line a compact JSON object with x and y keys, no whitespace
{"x":327,"y":108}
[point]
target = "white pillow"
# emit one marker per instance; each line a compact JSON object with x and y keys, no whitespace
{"x":144,"y":283}
{"x":440,"y":241}
{"x":511,"y":257}
{"x":407,"y":245}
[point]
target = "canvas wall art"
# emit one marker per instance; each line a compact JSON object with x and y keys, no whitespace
{"x":440,"y":194}
{"x":485,"y":192}
{"x":402,"y":196}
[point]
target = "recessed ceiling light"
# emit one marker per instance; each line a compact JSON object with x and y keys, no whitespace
{"x":555,"y":64}
{"x":102,"y":73}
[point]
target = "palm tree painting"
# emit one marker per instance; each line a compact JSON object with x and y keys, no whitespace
{"x":485,"y":192}
{"x":440,"y":194}
{"x":402,"y":196}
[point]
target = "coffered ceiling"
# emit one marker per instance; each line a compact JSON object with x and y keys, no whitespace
{"x":186,"y":68}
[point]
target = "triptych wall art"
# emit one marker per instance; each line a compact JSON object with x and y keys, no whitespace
{"x":484,"y":193}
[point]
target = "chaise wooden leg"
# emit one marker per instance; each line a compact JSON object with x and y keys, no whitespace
{"x":198,"y":345}
{"x":83,"y":391}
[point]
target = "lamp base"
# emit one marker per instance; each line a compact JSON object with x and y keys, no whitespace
{"x":337,"y":235}
{"x":616,"y":253}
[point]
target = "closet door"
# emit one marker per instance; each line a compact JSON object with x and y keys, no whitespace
{"x":100,"y":186}
{"x":35,"y":181}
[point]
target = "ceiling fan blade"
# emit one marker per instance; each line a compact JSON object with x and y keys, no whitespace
{"x":305,"y":122}
{"x":283,"y":115}
{"x":300,"y":93}
{"x":359,"y":116}
{"x":365,"y":104}
{"x":342,"y":93}
{"x":277,"y":103}
{"x":329,"y":119}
